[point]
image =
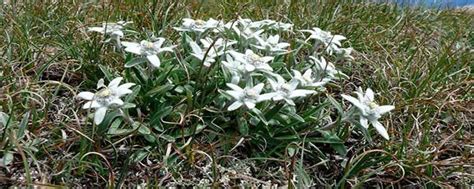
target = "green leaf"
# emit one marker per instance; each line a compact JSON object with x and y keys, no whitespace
{"x":243,"y":126}
{"x":4,"y":119}
{"x":144,"y":130}
{"x":335,"y":104}
{"x":159,"y":89}
{"x":135,"y":62}
{"x":133,"y":95}
{"x":23,"y":125}
{"x":338,"y":147}
{"x":139,"y":156}
{"x":7,"y":158}
{"x":108,"y":75}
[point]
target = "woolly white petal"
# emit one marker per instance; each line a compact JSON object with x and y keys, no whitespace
{"x":115,"y":82}
{"x":369,"y":94}
{"x":384,"y":109}
{"x":99,"y":115}
{"x":354,"y":101}
{"x":380,"y":129}
{"x":250,"y":105}
{"x":154,"y":60}
{"x":234,"y":87}
{"x":364,"y":122}
{"x":91,"y":104}
{"x":116,"y":101}
{"x":265,"y":97}
{"x":86,"y":95}
{"x":234,"y":106}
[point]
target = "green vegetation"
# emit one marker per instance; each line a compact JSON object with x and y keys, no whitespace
{"x":416,"y":59}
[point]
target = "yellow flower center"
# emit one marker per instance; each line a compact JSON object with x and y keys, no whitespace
{"x":373,"y":105}
{"x":105,"y":92}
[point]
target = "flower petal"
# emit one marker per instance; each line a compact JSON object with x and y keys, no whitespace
{"x":234,"y":106}
{"x":300,"y":93}
{"x":354,"y":101}
{"x":258,"y":88}
{"x":234,"y":87}
{"x":154,"y":60}
{"x":115,"y":82}
{"x":91,"y":104}
{"x":99,"y":115}
{"x":380,"y":129}
{"x":369,"y":94}
{"x":250,"y":105}
{"x":265,"y":97}
{"x":116,"y":102}
{"x":384,"y":109}
{"x":86,"y":95}
{"x":364,"y":122}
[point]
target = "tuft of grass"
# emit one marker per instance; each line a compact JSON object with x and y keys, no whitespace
{"x":418,"y":59}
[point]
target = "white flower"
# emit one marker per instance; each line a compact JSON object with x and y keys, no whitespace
{"x":220,"y":43}
{"x":325,"y":69}
{"x":198,"y":25}
{"x":148,"y":49}
{"x":307,"y":79}
{"x":287,"y":90}
{"x":344,"y":54}
{"x":113,"y":29}
{"x":252,"y":61}
{"x":236,"y":68}
{"x":107,"y":97}
{"x":331,"y":42}
{"x":249,"y":96}
{"x":201,"y":53}
{"x":271,"y":24}
{"x":272,"y":44}
{"x":370,"y":110}
{"x":247,"y":33}
{"x":217,"y":49}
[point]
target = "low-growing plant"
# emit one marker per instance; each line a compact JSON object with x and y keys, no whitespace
{"x":258,"y":84}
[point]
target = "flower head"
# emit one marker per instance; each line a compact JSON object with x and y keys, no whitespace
{"x":113,"y":29}
{"x":307,"y":80}
{"x":272,"y":44}
{"x":331,"y":42}
{"x":253,"y":61}
{"x":107,"y":97}
{"x":148,"y":49}
{"x":369,"y":110}
{"x":249,"y":96}
{"x":287,"y":90}
{"x":198,"y":25}
{"x":325,"y":70}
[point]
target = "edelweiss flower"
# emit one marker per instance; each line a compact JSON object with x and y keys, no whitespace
{"x":148,"y":49}
{"x":247,"y":33}
{"x":253,"y":61}
{"x":272,"y":44}
{"x":249,"y":96}
{"x":236,"y":68}
{"x":200,"y":53}
{"x":331,"y":42}
{"x":198,"y":25}
{"x":326,"y":70}
{"x":287,"y":90}
{"x":370,"y":111}
{"x":344,"y":54}
{"x":307,"y":80}
{"x":114,"y":30}
{"x":220,"y":43}
{"x":271,"y":24}
{"x":107,"y":97}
